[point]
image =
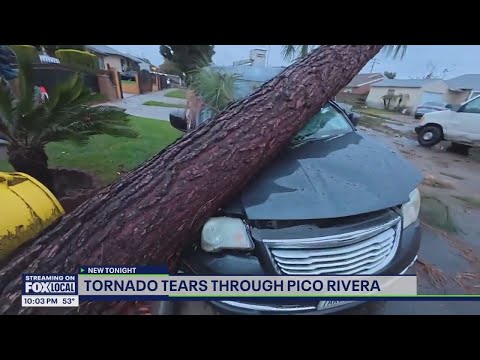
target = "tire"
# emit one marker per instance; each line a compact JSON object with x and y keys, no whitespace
{"x":430,"y":135}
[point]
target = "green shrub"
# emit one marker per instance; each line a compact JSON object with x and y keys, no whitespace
{"x":25,"y":52}
{"x":77,"y":58}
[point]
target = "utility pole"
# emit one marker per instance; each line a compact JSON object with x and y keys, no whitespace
{"x":375,"y":61}
{"x":268,"y":54}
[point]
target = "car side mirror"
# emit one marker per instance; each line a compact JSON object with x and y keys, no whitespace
{"x":354,"y":118}
{"x":454,"y":107}
{"x":178,"y":120}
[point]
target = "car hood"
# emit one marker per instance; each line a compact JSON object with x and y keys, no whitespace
{"x":437,"y":116}
{"x":342,"y":176}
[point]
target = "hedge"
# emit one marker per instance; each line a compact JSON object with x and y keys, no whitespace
{"x":77,"y":58}
{"x":25,"y":52}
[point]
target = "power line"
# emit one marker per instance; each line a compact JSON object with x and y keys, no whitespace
{"x":375,"y":61}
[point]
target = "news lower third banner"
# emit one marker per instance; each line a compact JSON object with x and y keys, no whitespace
{"x":142,"y":283}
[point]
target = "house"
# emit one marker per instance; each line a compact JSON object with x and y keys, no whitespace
{"x":143,"y":64}
{"x":257,"y":58}
{"x":407,"y":93}
{"x":361,"y":83}
{"x":109,"y":57}
{"x":463,"y":88}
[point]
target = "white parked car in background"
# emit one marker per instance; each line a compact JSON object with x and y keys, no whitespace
{"x":460,"y":124}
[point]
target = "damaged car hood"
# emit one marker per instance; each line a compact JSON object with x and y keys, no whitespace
{"x":342,"y":176}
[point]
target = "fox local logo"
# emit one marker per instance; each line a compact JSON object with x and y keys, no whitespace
{"x":50,"y":284}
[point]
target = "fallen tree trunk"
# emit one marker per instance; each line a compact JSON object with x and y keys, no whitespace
{"x":153,"y":212}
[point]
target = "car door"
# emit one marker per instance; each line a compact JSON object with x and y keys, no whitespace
{"x":464,"y":126}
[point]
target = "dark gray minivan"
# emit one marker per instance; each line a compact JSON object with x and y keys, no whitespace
{"x":335,"y":202}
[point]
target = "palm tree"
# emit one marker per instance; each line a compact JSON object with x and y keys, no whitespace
{"x":294,"y":52}
{"x":215,"y":87}
{"x":28,"y":122}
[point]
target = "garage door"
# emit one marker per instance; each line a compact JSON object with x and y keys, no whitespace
{"x":431,"y":97}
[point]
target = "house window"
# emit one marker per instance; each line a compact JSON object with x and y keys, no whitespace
{"x":390,"y":91}
{"x":101,"y":63}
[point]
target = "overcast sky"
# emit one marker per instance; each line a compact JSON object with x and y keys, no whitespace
{"x":457,"y":59}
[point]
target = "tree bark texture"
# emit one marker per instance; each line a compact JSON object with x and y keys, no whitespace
{"x":150,"y":214}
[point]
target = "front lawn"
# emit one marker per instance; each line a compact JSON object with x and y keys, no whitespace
{"x":177,"y":93}
{"x":106,"y":156}
{"x":163,"y":104}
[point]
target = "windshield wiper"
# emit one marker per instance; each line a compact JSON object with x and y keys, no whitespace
{"x":300,"y":141}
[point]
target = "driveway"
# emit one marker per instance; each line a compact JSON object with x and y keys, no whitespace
{"x":134,"y":105}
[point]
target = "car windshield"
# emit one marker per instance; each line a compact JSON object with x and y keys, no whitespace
{"x":327,"y":123}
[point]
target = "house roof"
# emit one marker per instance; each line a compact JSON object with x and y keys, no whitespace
{"x":137,"y":59}
{"x":404,"y":83}
{"x":465,"y":82}
{"x":145,"y":60}
{"x":365,"y":79}
{"x":107,"y":50}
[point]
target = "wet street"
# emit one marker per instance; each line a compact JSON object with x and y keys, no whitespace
{"x":449,"y":257}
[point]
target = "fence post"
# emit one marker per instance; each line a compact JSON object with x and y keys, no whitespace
{"x":116,"y":81}
{"x":107,"y":88}
{"x":137,"y":82}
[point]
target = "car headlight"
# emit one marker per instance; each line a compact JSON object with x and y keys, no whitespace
{"x":225,"y":233}
{"x":411,"y":209}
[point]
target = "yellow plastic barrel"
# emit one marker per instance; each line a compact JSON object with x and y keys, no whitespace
{"x":27,"y":207}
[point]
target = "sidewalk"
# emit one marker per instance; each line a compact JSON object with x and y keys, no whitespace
{"x":134,"y":105}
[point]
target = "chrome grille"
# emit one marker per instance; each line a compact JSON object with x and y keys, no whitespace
{"x":360,"y":252}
